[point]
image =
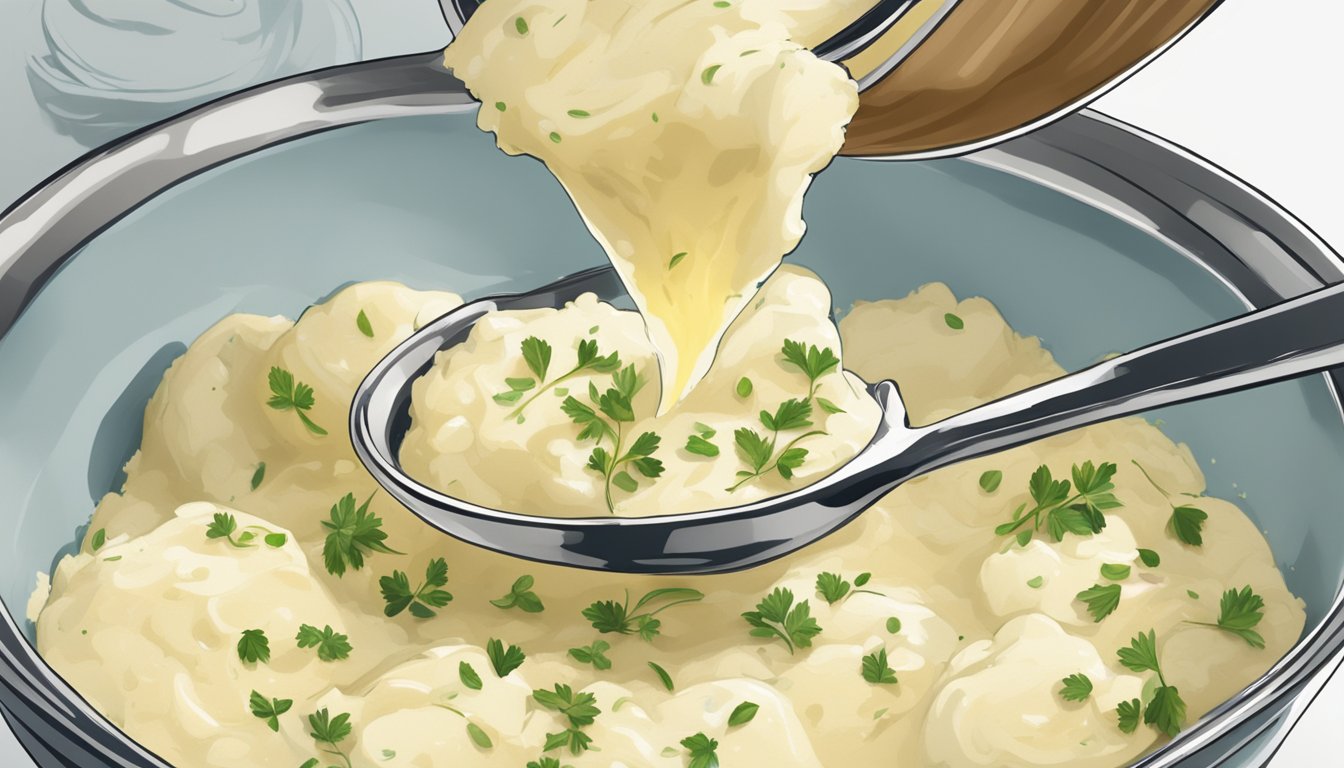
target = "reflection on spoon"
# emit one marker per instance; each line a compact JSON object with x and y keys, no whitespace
{"x":110,"y":66}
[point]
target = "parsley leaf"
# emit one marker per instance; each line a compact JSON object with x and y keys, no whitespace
{"x":269,"y":710}
{"x":224,"y":525}
{"x":1076,"y":507}
{"x":611,"y":616}
{"x":1115,"y":571}
{"x":743,"y":713}
{"x":287,"y":394}
{"x":398,"y":595}
{"x":1187,"y":523}
{"x":813,"y":362}
{"x":504,"y":661}
{"x":546,"y":762}
{"x":989,"y":481}
{"x":876,"y":670}
{"x":1101,"y":600}
{"x":521,"y":596}
{"x":331,"y":645}
{"x":362,"y":323}
{"x":579,"y":711}
{"x":1076,"y":688}
{"x":1149,"y":558}
{"x":253,"y":646}
{"x":1166,"y":710}
{"x":777,"y":616}
{"x":833,"y":587}
{"x":478,"y":736}
{"x":330,"y":730}
{"x":662,"y":675}
{"x":467,"y":674}
{"x":1127,"y":714}
{"x":616,"y":404}
{"x":699,"y":443}
{"x":351,"y":534}
{"x":1238,"y":613}
{"x":701,"y":749}
{"x":537,"y":355}
{"x":594,"y":654}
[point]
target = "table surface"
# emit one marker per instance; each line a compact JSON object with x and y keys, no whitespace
{"x":1254,"y":92}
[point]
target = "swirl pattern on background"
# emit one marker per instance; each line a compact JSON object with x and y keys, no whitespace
{"x":114,"y":65}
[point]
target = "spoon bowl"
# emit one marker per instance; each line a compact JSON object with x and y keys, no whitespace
{"x":1291,"y":339}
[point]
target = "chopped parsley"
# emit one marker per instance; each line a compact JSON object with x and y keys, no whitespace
{"x":1036,"y":582}
{"x":954,"y":322}
{"x":98,"y":540}
{"x":1101,"y":600}
{"x":814,"y":362}
{"x":504,"y":660}
{"x":579,"y":711}
{"x":1166,"y":710}
{"x":579,"y":113}
{"x":676,"y":259}
{"x":224,"y":525}
{"x":1187,"y":521}
{"x":1077,"y":687}
{"x":662,"y":675}
{"x":521,"y":596}
{"x":707,"y":75}
{"x":616,"y":404}
{"x":363,"y":324}
{"x":893,"y":625}
{"x":351,"y":533}
{"x":833,"y":588}
{"x":269,"y":710}
{"x":701,"y":749}
{"x":546,"y":762}
{"x":989,"y":481}
{"x":467,"y":674}
{"x":537,"y":356}
{"x":611,"y":616}
{"x":1081,"y":513}
{"x":520,"y":24}
{"x":424,"y":599}
{"x":876,"y":670}
{"x":777,"y":616}
{"x":330,"y":645}
{"x":329,"y":731}
{"x":478,"y":736}
{"x":699,"y":443}
{"x":1149,"y":558}
{"x":1115,"y":571}
{"x":1238,"y":613}
{"x":253,"y":646}
{"x":743,"y":713}
{"x":288,"y":394}
{"x":744,"y":387}
{"x":595,"y":654}
{"x":258,"y":475}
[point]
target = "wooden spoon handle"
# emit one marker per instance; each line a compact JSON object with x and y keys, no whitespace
{"x":997,"y":68}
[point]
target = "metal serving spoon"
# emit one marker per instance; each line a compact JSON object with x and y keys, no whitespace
{"x":1291,"y":339}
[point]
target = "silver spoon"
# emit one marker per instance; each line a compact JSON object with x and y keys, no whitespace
{"x":49,"y":224}
{"x":1297,"y":337}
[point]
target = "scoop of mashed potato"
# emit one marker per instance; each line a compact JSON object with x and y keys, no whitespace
{"x":486,"y":428}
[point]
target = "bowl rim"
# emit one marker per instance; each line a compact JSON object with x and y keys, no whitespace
{"x":1156,"y":186}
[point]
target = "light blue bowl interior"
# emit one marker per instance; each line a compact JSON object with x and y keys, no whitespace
{"x":430,"y":202}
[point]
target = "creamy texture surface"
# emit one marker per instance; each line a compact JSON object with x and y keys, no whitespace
{"x":145,"y":620}
{"x":685,"y":132}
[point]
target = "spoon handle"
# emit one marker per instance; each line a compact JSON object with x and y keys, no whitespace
{"x":1300,"y":336}
{"x":50,"y":223}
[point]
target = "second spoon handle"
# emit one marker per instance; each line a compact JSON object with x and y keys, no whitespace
{"x":1285,"y":341}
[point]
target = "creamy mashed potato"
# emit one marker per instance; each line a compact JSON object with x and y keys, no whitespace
{"x":978,"y":631}
{"x":465,"y":440}
{"x":685,"y":132}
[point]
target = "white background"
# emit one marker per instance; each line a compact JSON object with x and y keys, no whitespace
{"x":1257,"y":89}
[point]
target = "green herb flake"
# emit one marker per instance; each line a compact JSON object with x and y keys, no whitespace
{"x":1239,"y":612}
{"x":579,"y":113}
{"x":743,"y":713}
{"x":259,"y":475}
{"x":702,"y":751}
{"x":662,"y":675}
{"x":520,"y":24}
{"x":894,"y":625}
{"x":676,"y":259}
{"x":1101,"y":600}
{"x":330,"y":645}
{"x":1065,"y":507}
{"x":269,"y":710}
{"x":1187,"y":523}
{"x":876,"y":670}
{"x":609,"y":616}
{"x":1036,"y":582}
{"x":776,"y":616}
{"x":707,"y":76}
{"x":254,"y":646}
{"x":501,"y":106}
{"x":1077,"y":687}
{"x":1115,"y":571}
{"x":1128,"y":714}
{"x":521,"y":596}
{"x":1192,"y":593}
{"x":744,"y":387}
{"x":467,"y":674}
{"x":352,"y":533}
{"x":98,"y":540}
{"x":954,"y":322}
{"x":989,"y":481}
{"x":555,"y":137}
{"x":1149,"y":558}
{"x":504,"y":660}
{"x":363,"y":324}
{"x":594,"y":654}
{"x":288,"y":394}
{"x":478,"y":736}
{"x":424,"y":599}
